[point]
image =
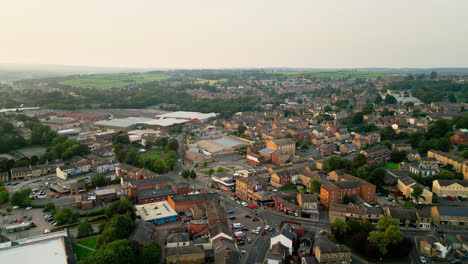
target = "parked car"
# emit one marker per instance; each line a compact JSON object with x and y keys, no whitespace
{"x":244,"y":204}
{"x":232,"y":217}
{"x":267,"y":227}
{"x":249,"y":240}
{"x":452,"y":198}
{"x":15,"y":207}
{"x":245,"y":229}
{"x":50,"y":219}
{"x":20,"y":220}
{"x":263,"y":233}
{"x":230,"y":212}
{"x":248,"y":216}
{"x":28,"y":208}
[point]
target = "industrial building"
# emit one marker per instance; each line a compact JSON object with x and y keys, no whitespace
{"x":156,"y":213}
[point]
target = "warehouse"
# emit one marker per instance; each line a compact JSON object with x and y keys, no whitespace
{"x":156,"y":213}
{"x":188,"y":115}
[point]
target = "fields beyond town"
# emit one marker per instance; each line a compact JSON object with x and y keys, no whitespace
{"x":106,"y":81}
{"x":335,"y":75}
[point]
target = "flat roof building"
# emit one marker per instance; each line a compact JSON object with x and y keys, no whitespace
{"x":156,"y":213}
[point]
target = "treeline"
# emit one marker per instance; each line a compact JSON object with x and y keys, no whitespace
{"x":430,"y":91}
{"x":57,"y":146}
{"x":127,"y":152}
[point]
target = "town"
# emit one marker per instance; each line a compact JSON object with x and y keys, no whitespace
{"x":282,"y":168}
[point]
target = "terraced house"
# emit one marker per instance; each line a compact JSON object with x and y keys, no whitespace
{"x":460,"y":165}
{"x":454,"y":188}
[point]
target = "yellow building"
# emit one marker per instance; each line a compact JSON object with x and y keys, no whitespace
{"x":444,"y":188}
{"x":450,"y":216}
{"x":185,"y":255}
{"x":285,"y":145}
{"x":407,"y":184}
{"x":460,"y":165}
{"x":328,"y":252}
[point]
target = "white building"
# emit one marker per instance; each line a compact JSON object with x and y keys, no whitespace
{"x":285,"y":237}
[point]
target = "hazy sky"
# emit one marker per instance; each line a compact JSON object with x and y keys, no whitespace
{"x":235,"y":33}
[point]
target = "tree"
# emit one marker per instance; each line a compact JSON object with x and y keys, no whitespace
{"x":150,"y":253}
{"x":397,"y":156}
{"x":21,"y":198}
{"x":388,"y":232}
{"x":378,"y":100}
{"x":417,"y":194}
{"x":159,"y":166}
{"x":335,"y":163}
{"x":339,"y":229}
{"x":389,"y":99}
{"x":358,"y":161}
{"x":48,"y":207}
{"x":377,"y":177}
{"x":173,"y":145}
{"x":98,"y":179}
{"x":193,"y":174}
{"x":85,"y":229}
{"x":118,"y":227}
{"x":315,"y":186}
{"x":205,"y":164}
{"x":186,"y":174}
{"x":327,"y":108}
{"x":132,"y":157}
{"x":363,"y":172}
{"x":241,"y":130}
{"x":121,"y":139}
{"x":433,"y":75}
{"x":63,"y":216}
{"x":464,"y":154}
{"x":123,"y":206}
{"x":439,"y":128}
{"x":368,"y":109}
{"x":387,"y":133}
{"x":119,"y":251}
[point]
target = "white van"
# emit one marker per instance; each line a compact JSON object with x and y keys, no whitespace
{"x":237,"y":225}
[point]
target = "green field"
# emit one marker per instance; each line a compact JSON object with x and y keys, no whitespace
{"x":334,"y":75}
{"x":106,"y":81}
{"x":152,"y":156}
{"x":391,"y":166}
{"x":211,"y":82}
{"x":81,"y":252}
{"x":89,"y":242}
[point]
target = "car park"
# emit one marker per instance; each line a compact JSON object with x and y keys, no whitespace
{"x":28,"y":208}
{"x":230,"y":212}
{"x":249,"y":240}
{"x":232,"y":217}
{"x":244,"y":204}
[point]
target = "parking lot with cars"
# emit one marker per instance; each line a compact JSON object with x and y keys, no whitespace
{"x":26,"y":215}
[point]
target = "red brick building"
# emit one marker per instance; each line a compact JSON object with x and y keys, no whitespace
{"x":106,"y":195}
{"x":185,"y":202}
{"x":345,"y":184}
{"x":461,"y":136}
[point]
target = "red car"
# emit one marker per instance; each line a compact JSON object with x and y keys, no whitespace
{"x":25,"y":180}
{"x":263,"y":233}
{"x":253,"y":207}
{"x":452,"y":198}
{"x":240,"y":239}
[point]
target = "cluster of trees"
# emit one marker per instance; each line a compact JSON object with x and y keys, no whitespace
{"x":21,"y":198}
{"x":4,"y":193}
{"x":374,"y":242}
{"x":112,"y":243}
{"x":126,"y":152}
{"x":430,"y":91}
{"x":191,"y":174}
{"x":66,"y":216}
{"x":134,"y":96}
{"x":357,"y":167}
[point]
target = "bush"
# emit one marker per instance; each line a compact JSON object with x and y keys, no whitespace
{"x":8,"y":209}
{"x":98,"y":218}
{"x":93,"y":213}
{"x":48,"y":207}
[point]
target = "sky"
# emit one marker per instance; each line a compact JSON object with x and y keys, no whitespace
{"x":235,"y":33}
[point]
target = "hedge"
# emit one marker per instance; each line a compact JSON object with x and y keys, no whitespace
{"x":93,"y":213}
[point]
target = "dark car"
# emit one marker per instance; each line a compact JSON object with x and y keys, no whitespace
{"x":248,"y":216}
{"x":245,"y":229}
{"x":232,"y":217}
{"x":241,"y":243}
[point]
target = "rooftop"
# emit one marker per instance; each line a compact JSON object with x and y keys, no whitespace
{"x":156,"y":210}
